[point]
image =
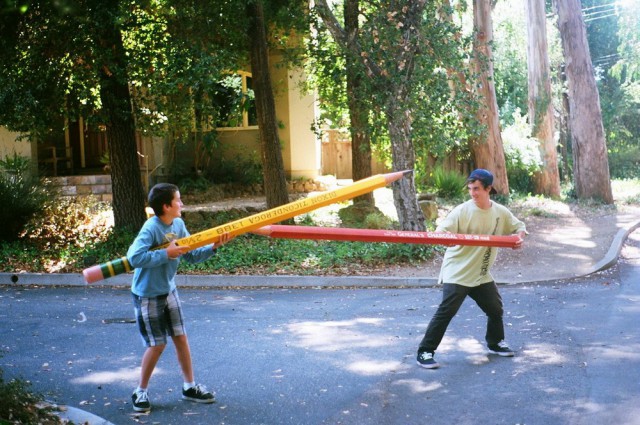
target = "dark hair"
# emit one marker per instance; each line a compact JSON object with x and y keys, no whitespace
{"x":161,"y":194}
{"x":483,"y":176}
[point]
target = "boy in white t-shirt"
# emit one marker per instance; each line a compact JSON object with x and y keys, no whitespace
{"x":465,"y":270}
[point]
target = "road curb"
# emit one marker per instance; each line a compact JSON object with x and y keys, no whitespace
{"x":612,"y":255}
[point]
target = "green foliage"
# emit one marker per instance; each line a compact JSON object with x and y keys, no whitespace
{"x":304,"y":257}
{"x":440,"y":122}
{"x":22,"y":194}
{"x":68,"y":235}
{"x":70,"y":221}
{"x":522,"y":155}
{"x":510,"y":60}
{"x":447,"y":184}
{"x":21,"y":406}
{"x":245,"y":171}
{"x":624,"y":161}
{"x":378,"y":220}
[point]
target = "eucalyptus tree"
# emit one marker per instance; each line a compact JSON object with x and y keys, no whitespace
{"x":590,"y":160}
{"x":541,"y":112}
{"x":613,"y":33}
{"x":275,"y":184}
{"x":356,"y":95}
{"x":488,"y":150}
{"x":403,"y":48}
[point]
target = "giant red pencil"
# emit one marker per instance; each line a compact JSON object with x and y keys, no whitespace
{"x":255,"y":221}
{"x":397,"y":236}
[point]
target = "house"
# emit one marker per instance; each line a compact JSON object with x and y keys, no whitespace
{"x":80,"y":151}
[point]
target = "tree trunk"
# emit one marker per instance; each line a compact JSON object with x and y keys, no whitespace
{"x":403,"y":154}
{"x":275,"y":183}
{"x":565,"y":133}
{"x":547,"y":180}
{"x":590,"y":161}
{"x":358,"y":111}
{"x":128,"y":193}
{"x":488,"y":151}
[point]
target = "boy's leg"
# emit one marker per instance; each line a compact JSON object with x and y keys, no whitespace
{"x":149,"y":361}
{"x":452,"y":298}
{"x":183,"y":352}
{"x":489,"y":300}
{"x":151,"y":325}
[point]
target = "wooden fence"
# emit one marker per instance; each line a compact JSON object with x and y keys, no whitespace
{"x":336,"y":158}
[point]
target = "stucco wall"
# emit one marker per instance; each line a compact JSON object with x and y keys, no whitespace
{"x":9,"y":145}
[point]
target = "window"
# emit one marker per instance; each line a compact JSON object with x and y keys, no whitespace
{"x":235,"y":101}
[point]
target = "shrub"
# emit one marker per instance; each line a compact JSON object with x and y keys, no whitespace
{"x":521,"y":153}
{"x":70,"y":221}
{"x":22,"y":194}
{"x":447,"y":184}
{"x":19,"y":406}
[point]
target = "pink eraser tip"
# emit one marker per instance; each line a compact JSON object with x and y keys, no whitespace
{"x":92,"y":274}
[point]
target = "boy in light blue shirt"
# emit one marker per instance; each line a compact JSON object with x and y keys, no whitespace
{"x":155,"y":296}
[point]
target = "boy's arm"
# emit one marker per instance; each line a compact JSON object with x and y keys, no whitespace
{"x":450,"y":222}
{"x":206,"y":252}
{"x":141,"y":254}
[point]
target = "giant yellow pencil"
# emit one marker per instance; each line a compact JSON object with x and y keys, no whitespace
{"x":255,"y":221}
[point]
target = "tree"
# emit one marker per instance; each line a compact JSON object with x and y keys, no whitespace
{"x":65,"y":61}
{"x":547,"y":180}
{"x":590,"y":161}
{"x":488,"y":152}
{"x":613,"y":34}
{"x":390,"y":69}
{"x":275,"y":184}
{"x":358,"y":109}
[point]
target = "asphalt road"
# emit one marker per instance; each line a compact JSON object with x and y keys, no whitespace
{"x":340,"y":356}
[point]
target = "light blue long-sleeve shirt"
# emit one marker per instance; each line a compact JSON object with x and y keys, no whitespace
{"x":155,"y":272}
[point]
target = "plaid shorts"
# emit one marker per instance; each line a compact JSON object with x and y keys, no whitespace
{"x":158,"y":317}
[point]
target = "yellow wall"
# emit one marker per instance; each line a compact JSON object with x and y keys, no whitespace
{"x":296,"y":112}
{"x":8,"y":144}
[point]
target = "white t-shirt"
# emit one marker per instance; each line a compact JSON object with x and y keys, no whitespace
{"x":471,"y":265}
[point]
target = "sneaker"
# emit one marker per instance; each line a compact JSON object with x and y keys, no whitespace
{"x":426,"y":360}
{"x":199,"y":394}
{"x":140,"y":400}
{"x":501,"y":349}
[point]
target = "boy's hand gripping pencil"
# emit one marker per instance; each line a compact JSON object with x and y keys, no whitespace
{"x":255,"y":221}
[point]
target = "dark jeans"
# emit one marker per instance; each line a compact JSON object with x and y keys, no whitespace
{"x":488,"y":299}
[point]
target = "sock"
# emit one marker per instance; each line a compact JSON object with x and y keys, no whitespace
{"x":140,"y":389}
{"x":188,"y":385}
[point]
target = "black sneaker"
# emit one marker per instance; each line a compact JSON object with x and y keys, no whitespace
{"x":425,"y":359}
{"x":199,"y":394}
{"x":501,"y":349}
{"x":140,"y":401}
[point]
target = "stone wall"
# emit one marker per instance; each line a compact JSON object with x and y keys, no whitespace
{"x":100,"y":187}
{"x":96,"y":185}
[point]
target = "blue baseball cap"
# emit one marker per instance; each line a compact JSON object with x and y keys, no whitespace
{"x":484,"y":176}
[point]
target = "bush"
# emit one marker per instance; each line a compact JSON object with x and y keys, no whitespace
{"x":624,"y":163}
{"x":522,"y":155}
{"x":23,"y":195}
{"x":19,"y":406}
{"x":70,"y":221}
{"x":447,"y":184}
